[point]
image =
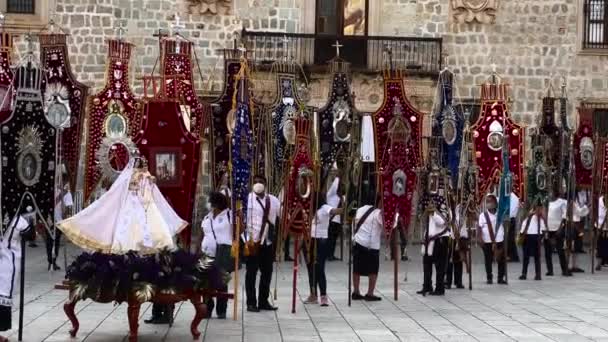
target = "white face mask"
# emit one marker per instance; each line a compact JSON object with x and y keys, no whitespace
{"x":259,"y":188}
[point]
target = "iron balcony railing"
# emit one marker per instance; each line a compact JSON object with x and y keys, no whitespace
{"x":365,"y":53}
{"x":595,"y":24}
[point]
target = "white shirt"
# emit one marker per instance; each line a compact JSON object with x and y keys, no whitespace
{"x":556,"y":213}
{"x":255,"y":214}
{"x":226,"y":191}
{"x":333,"y":199}
{"x":320,"y":224}
{"x":464,"y":229}
{"x":370,"y":233}
{"x":583,"y":201}
{"x":66,"y":201}
{"x":436,"y":225}
{"x":221,"y":225}
{"x":601,"y":214}
{"x":579,"y":211}
{"x":535,"y":223}
{"x":514,"y":205}
{"x":10,"y":259}
{"x":499,"y":232}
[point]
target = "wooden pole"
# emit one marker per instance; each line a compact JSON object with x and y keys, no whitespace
{"x":395,"y":266}
{"x":295,"y":273}
{"x":350,"y":264}
{"x":237,"y":241}
{"x":22,"y":285}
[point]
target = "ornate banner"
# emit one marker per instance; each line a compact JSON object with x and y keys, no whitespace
{"x":492,"y":127}
{"x":28,"y":152}
{"x":177,"y":67}
{"x":173,"y":155}
{"x":335,"y":120}
{"x":114,"y":117}
{"x":297,"y":210}
{"x":398,"y":128}
{"x":64,"y":99}
{"x":584,"y":147}
{"x":6,"y":75}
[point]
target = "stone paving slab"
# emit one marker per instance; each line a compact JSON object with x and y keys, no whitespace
{"x":554,"y":309}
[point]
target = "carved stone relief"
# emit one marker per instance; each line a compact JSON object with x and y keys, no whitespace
{"x":212,"y":7}
{"x":475,"y":11}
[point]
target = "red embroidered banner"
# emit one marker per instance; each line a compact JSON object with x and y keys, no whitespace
{"x":6,"y":75}
{"x":584,"y":147}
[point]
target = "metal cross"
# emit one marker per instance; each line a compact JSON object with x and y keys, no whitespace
{"x":338,"y":46}
{"x":121,"y":29}
{"x":286,"y":47}
{"x":177,"y":25}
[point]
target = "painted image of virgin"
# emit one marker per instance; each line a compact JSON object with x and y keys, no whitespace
{"x":354,"y":17}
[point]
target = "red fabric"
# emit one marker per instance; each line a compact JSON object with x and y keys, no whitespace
{"x":406,"y":157}
{"x":490,"y":161}
{"x":117,"y":89}
{"x":178,"y":62}
{"x":56,"y":64}
{"x":163,"y":132}
{"x":585,"y":129}
{"x":6,"y":75}
{"x":297,"y":210}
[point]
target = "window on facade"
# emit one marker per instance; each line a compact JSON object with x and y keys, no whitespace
{"x":21,"y":6}
{"x":595,"y":24}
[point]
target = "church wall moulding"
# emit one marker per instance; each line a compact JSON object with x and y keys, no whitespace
{"x":474,"y":11}
{"x":209,"y":7}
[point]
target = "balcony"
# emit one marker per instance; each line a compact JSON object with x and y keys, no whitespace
{"x":415,"y":55}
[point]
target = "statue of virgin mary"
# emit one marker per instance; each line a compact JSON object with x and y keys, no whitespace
{"x":132,"y":215}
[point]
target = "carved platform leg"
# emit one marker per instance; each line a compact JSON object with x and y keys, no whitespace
{"x":133,"y":314}
{"x":201,"y":312}
{"x":68,"y":308}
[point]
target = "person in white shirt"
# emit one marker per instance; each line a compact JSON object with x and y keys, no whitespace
{"x":514,"y":206}
{"x":435,"y":252}
{"x":554,"y":237}
{"x":461,"y":249}
{"x":602,"y":234}
{"x":335,"y":198}
{"x":532,"y":229}
{"x":263,"y":212}
{"x":216,"y":242}
{"x":368,"y":231}
{"x":583,"y":199}
{"x":492,"y":240}
{"x":318,"y":251}
{"x":580,"y":210}
{"x":64,"y":203}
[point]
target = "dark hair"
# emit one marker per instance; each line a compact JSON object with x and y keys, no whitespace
{"x":261,"y":178}
{"x":321,"y":199}
{"x":218,"y":200}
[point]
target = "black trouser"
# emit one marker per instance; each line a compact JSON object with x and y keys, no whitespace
{"x":316,"y":273}
{"x":531,"y":248}
{"x":286,"y":245}
{"x":402,"y":243}
{"x":162,"y":310}
{"x":580,"y":234}
{"x":50,"y":243}
{"x":455,"y":263}
{"x":222,"y":303}
{"x":512,"y":245}
{"x":556,"y":240}
{"x":439,"y":259}
{"x":489,"y":257}
{"x":335,"y":230}
{"x":263,"y":263}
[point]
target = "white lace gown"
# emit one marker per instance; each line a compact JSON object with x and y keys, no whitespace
{"x":10,"y":259}
{"x":132,"y":216}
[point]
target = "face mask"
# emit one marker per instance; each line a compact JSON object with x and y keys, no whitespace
{"x":259,"y":188}
{"x":208,"y":206}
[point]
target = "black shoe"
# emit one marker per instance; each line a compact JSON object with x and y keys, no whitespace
{"x":502,"y":282}
{"x":422,"y":292}
{"x":549,"y":274}
{"x":55,"y":267}
{"x":514,"y":260}
{"x":252,"y":308}
{"x":437,"y":293}
{"x":404,"y":258}
{"x":459,"y":286}
{"x":448,"y":287}
{"x":522,"y":277}
{"x":537,"y":277}
{"x":577,"y":270}
{"x":157,"y":320}
{"x":598,"y":267}
{"x":288,"y":258}
{"x":489,"y":282}
{"x":567,"y":274}
{"x":372,"y":298}
{"x":33,"y":244}
{"x":221,"y":316}
{"x":356,"y":296}
{"x":267,"y":307}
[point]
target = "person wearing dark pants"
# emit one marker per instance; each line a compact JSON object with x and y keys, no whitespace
{"x":52,"y":241}
{"x":602,"y":234}
{"x":583,"y":198}
{"x":554,"y":237}
{"x":492,"y":240}
{"x":335,"y":197}
{"x":262,"y":218}
{"x":532,"y":228}
{"x":455,"y":265}
{"x":366,"y":250}
{"x":515,"y":204}
{"x":286,"y":247}
{"x":435,"y":252}
{"x":402,"y":244}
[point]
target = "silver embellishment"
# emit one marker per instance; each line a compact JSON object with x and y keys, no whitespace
{"x":586,"y":151}
{"x":496,"y":136}
{"x":399,"y":182}
{"x":29,"y":160}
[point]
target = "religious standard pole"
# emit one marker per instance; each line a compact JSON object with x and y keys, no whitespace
{"x":22,"y":285}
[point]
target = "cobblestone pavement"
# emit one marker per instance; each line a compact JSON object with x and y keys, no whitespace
{"x":554,"y":309}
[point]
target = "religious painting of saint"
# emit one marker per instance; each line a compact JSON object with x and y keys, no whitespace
{"x":166,"y":164}
{"x":354,"y":17}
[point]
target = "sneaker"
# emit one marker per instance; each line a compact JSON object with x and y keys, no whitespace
{"x":356,"y":296}
{"x":324,"y":301}
{"x":311,"y":300}
{"x":372,"y":298}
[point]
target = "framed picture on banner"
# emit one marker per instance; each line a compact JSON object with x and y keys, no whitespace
{"x":166,"y":166}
